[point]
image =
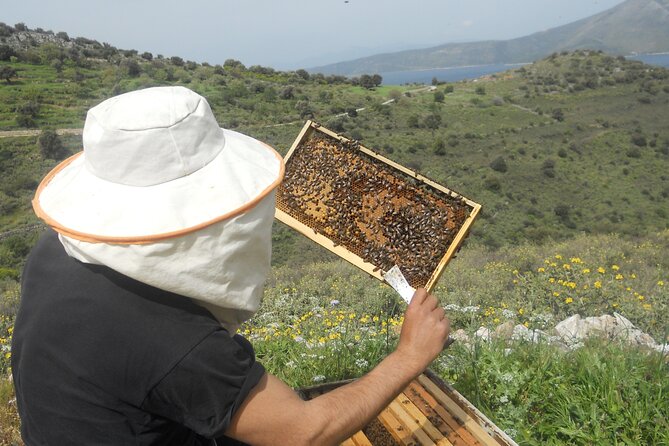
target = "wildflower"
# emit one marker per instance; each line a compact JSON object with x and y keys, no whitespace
{"x":551,"y":280}
{"x":640,"y":297}
{"x":614,"y":305}
{"x":615,"y":267}
{"x":585,"y":270}
{"x":619,"y":277}
{"x":556,"y":294}
{"x":566,"y":266}
{"x":362,"y":363}
{"x":503,"y":399}
{"x":541,"y":270}
{"x":322,"y":340}
{"x":601,"y":270}
{"x":598,"y":284}
{"x":647,"y":306}
{"x":633,"y":276}
{"x":521,"y":311}
{"x":515,"y":272}
{"x":558,"y":256}
{"x":568,"y":300}
{"x":660,"y":283}
{"x":318,"y":378}
{"x":334,"y":302}
{"x":575,"y":260}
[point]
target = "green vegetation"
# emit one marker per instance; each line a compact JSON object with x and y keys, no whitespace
{"x":568,"y":157}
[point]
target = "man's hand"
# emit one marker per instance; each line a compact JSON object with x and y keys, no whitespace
{"x":424,"y":332}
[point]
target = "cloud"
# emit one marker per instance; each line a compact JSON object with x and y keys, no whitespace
{"x":467,"y":23}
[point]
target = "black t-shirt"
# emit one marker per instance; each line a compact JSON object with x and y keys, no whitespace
{"x":100,"y":358}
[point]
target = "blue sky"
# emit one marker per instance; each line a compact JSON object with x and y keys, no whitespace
{"x":292,"y":34}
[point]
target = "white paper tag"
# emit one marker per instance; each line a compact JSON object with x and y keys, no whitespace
{"x":396,"y":280}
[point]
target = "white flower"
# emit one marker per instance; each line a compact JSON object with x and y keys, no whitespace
{"x":318,"y":378}
{"x":334,"y":302}
{"x":362,"y":363}
{"x":504,"y":399}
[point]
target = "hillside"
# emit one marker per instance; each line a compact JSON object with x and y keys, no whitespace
{"x":568,"y":156}
{"x":635,"y":26}
{"x":574,"y":143}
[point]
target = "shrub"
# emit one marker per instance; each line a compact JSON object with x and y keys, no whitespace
{"x":50,"y":145}
{"x":499,"y":165}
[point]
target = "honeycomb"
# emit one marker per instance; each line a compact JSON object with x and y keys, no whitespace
{"x":380,"y":213}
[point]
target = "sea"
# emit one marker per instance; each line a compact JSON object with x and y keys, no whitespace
{"x":454,"y":74}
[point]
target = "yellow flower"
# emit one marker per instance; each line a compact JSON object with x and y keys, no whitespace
{"x":568,"y":300}
{"x":576,"y":260}
{"x":571,"y":285}
{"x":647,"y":306}
{"x":496,"y":321}
{"x":640,"y":297}
{"x":515,"y":281}
{"x":614,"y":305}
{"x":586,"y":271}
{"x":556,"y":294}
{"x":566,"y":266}
{"x":633,"y":276}
{"x":601,"y":270}
{"x":660,"y":283}
{"x":375,"y":319}
{"x":598,"y":284}
{"x":551,"y":280}
{"x":619,"y":277}
{"x":615,"y":267}
{"x":321,"y":340}
{"x":541,"y":270}
{"x":558,"y":256}
{"x":521,"y":311}
{"x":515,"y":271}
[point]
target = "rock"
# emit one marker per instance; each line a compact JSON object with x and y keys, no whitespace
{"x":483,"y":333}
{"x":504,"y":331}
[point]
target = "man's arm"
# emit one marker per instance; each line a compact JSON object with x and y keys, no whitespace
{"x":273,"y":414}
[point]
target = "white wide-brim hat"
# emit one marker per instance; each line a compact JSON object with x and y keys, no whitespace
{"x":155,"y":165}
{"x":162,"y":194}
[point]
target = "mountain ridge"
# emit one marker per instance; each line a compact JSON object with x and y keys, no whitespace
{"x":634,"y":26}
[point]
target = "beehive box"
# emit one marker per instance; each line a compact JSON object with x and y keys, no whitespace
{"x":427,"y":412}
{"x":370,"y":210}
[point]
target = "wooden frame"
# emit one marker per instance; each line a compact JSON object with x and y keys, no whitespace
{"x":342,"y":251}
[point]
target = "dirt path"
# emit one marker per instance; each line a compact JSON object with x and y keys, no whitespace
{"x":17,"y":133}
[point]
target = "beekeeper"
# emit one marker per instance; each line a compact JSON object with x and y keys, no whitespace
{"x":159,"y":247}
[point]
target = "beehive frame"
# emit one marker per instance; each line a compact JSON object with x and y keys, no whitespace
{"x":400,"y":215}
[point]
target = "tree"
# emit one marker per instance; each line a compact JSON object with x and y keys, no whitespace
{"x":303,"y":74}
{"x":438,"y":96}
{"x":7,"y":73}
{"x":176,"y":60}
{"x":50,"y":145}
{"x":26,"y":114}
{"x":432,"y":121}
{"x":6,"y":52}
